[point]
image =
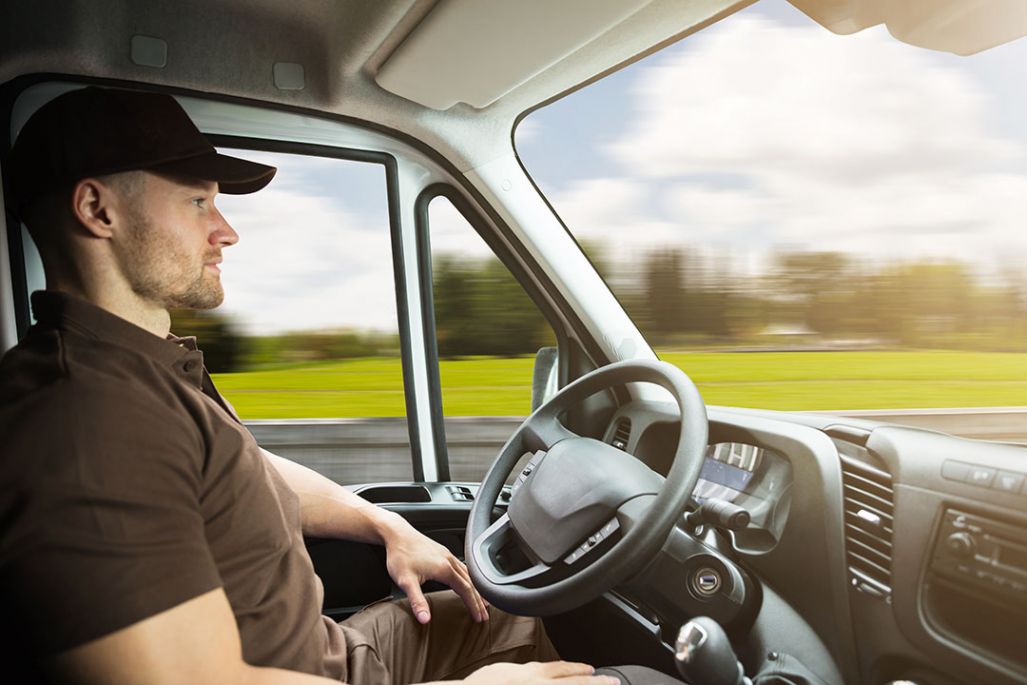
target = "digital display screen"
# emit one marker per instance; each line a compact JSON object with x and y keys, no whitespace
{"x":718,"y":480}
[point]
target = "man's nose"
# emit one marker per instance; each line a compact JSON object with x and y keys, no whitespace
{"x":225,"y":235}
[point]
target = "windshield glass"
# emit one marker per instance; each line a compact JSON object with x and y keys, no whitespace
{"x":803,"y":220}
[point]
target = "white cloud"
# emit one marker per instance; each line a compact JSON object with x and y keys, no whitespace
{"x":756,"y":135}
{"x":759,"y":97}
{"x":612,"y":210}
{"x":303,"y":263}
{"x":528,"y":129}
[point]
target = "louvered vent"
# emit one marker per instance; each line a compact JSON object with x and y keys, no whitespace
{"x":869,"y":507}
{"x":621,"y":434}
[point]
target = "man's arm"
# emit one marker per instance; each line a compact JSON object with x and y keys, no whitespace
{"x":329,"y":510}
{"x":194,"y":642}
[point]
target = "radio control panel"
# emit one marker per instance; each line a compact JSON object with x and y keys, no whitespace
{"x":983,"y":554}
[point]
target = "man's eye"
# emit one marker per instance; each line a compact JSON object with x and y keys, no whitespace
{"x":199,"y":202}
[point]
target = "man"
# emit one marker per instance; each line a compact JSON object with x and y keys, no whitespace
{"x":146,"y":537}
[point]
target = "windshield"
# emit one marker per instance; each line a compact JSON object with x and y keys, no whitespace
{"x":806,"y":221}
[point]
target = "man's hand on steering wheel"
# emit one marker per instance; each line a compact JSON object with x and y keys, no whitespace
{"x":413,"y":559}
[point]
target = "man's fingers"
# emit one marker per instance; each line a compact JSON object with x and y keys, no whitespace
{"x":460,"y":581}
{"x":565,"y":669}
{"x":575,"y":673}
{"x":418,"y":604}
{"x":480,"y":605}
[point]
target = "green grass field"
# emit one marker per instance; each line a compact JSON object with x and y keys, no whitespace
{"x":770,"y":380}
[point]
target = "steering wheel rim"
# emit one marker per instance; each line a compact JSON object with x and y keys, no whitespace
{"x":541,"y":434}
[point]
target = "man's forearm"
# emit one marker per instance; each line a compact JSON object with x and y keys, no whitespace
{"x":329,"y":510}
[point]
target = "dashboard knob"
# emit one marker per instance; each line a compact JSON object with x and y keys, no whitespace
{"x":960,"y":545}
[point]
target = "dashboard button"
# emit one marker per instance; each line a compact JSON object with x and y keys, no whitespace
{"x":610,"y":527}
{"x":955,"y":470}
{"x":1008,"y":481}
{"x":960,"y":545}
{"x":981,"y":475}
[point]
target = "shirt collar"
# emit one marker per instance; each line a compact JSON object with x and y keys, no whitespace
{"x":55,"y":309}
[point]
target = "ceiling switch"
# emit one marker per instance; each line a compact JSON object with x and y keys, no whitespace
{"x":149,"y":52}
{"x":288,"y":76}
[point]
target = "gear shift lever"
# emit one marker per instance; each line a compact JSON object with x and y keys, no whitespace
{"x":704,"y":655}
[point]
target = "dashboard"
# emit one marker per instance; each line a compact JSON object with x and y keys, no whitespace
{"x":871,"y":536}
{"x":874,"y":552}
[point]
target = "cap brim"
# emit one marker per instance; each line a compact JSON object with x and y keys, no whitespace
{"x":233,"y":175}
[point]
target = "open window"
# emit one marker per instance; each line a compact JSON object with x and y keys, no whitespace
{"x":307,"y":341}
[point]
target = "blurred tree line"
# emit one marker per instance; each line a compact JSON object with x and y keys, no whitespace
{"x":827,"y":297}
{"x":226,"y":349}
{"x":680,"y":296}
{"x":480,"y":309}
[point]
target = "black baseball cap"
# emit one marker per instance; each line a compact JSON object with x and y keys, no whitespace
{"x":97,"y":131}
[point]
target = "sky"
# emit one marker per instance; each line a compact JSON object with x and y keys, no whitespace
{"x":767,"y":131}
{"x":763,"y":132}
{"x":310,"y":256}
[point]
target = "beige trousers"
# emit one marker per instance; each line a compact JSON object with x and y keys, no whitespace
{"x":387,"y":646}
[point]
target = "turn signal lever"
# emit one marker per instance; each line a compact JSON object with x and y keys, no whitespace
{"x":717,"y":513}
{"x":704,"y":655}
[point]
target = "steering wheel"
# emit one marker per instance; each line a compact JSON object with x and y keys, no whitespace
{"x":576,"y":493}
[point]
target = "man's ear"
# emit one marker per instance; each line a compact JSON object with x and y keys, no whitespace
{"x":95,"y":206}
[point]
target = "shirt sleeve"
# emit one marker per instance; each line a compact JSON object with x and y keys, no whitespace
{"x":103,"y":524}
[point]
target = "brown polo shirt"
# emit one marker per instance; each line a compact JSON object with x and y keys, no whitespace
{"x":127,"y":486}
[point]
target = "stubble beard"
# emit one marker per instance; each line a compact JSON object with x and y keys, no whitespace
{"x":161,"y":272}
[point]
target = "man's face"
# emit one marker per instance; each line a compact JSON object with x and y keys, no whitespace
{"x":173,"y":241}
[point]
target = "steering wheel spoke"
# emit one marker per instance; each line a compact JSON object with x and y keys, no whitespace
{"x":487,"y":547}
{"x":593,"y":541}
{"x":544,"y":430}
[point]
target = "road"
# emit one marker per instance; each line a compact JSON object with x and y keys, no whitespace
{"x":373,"y":450}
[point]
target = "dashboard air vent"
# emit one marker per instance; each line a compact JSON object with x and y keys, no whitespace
{"x":621,"y":434}
{"x":869,"y":508}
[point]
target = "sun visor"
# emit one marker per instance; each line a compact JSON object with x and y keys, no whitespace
{"x":962,"y":27}
{"x":477,"y":51}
